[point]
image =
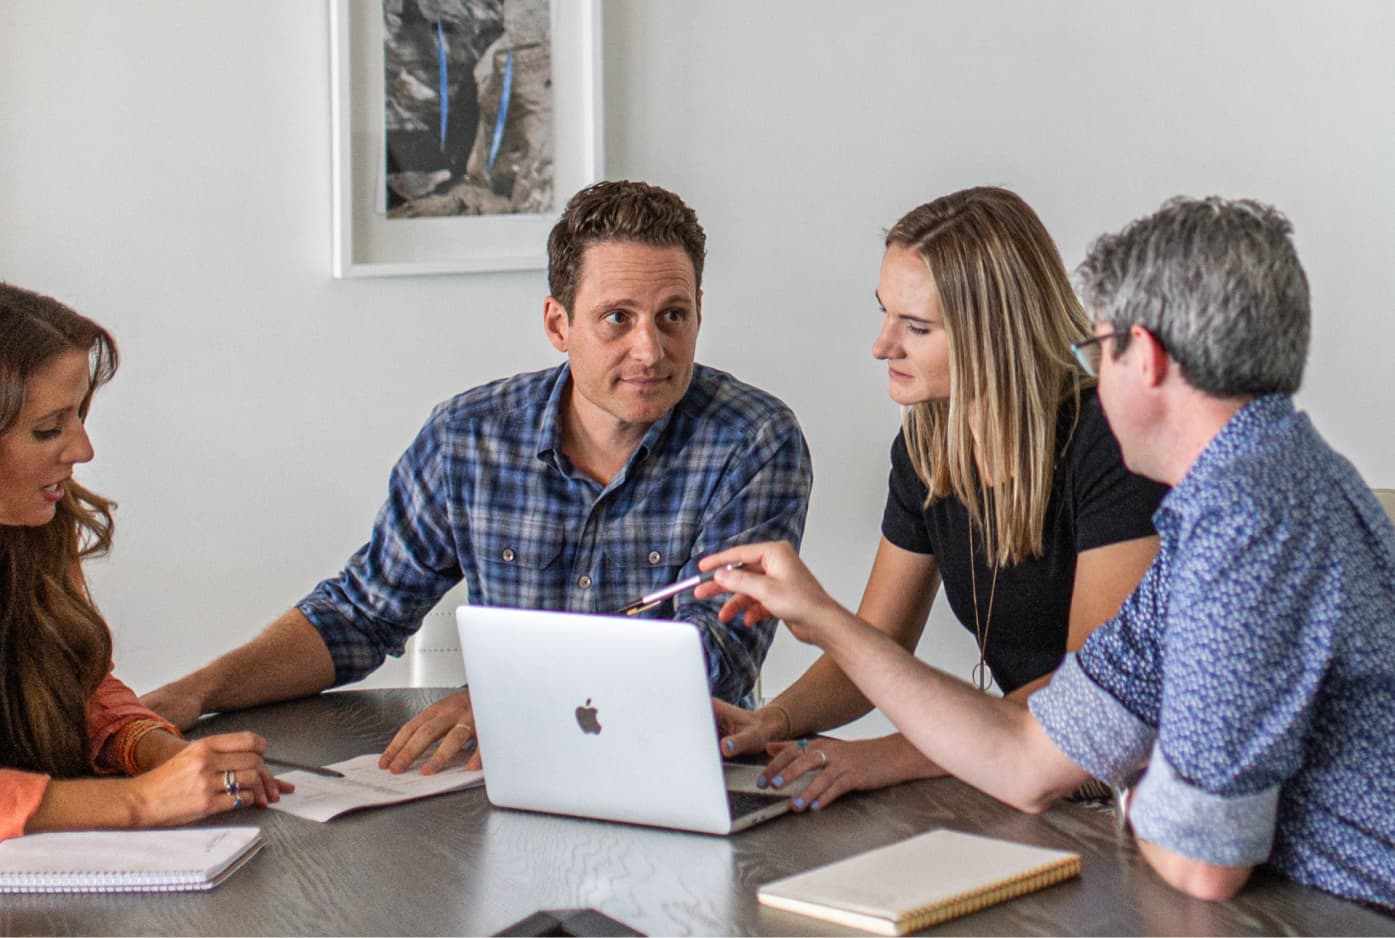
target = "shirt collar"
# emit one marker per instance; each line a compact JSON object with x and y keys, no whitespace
{"x":550,"y":424}
{"x":1241,"y":432}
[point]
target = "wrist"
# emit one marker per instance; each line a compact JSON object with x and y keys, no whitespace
{"x":157,"y":748}
{"x":776,"y":722}
{"x":133,"y":803}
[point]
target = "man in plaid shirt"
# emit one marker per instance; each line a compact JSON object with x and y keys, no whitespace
{"x":577,"y":488}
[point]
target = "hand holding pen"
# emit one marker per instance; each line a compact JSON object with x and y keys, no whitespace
{"x":650,"y":600}
{"x":774,"y":583}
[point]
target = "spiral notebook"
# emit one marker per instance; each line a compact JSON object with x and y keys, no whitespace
{"x":185,"y":860}
{"x":916,"y":883}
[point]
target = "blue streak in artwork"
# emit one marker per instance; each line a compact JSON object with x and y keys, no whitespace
{"x":444,"y":80}
{"x":503,"y":110}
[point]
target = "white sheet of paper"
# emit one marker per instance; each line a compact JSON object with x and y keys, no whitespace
{"x":364,"y":785}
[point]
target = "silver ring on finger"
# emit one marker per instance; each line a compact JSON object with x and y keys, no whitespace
{"x":230,"y":782}
{"x":823,"y":757}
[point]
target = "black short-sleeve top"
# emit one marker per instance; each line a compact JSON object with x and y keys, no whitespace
{"x":1094,"y":501}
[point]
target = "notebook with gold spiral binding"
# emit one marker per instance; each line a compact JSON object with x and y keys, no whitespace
{"x":919,"y":882}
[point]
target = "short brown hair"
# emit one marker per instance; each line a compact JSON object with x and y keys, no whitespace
{"x":619,"y":211}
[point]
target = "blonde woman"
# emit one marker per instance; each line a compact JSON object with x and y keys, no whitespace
{"x":1006,"y":485}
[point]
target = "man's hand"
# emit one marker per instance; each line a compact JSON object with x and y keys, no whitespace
{"x":449,"y":720}
{"x":772,"y":581}
{"x":176,"y":703}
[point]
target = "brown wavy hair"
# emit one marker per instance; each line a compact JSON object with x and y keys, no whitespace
{"x":55,"y":647}
{"x":1010,"y":316}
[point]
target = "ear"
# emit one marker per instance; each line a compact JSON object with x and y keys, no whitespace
{"x":555,"y":323}
{"x":1154,"y":363}
{"x":699,"y":307}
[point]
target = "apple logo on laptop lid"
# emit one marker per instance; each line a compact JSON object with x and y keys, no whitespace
{"x":586,"y":718}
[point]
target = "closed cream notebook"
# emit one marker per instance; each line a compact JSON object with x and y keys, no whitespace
{"x":919,"y":882}
{"x":191,"y":858}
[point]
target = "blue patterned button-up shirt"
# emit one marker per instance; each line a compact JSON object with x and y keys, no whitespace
{"x":1253,"y":670}
{"x":486,"y":494}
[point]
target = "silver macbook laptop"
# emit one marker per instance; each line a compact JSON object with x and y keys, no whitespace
{"x":600,"y":717}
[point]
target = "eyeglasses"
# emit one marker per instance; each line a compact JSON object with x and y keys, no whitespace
{"x":1089,"y":352}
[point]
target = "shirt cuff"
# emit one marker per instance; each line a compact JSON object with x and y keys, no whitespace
{"x":353,"y":656}
{"x":1169,"y":811}
{"x":1090,"y":726}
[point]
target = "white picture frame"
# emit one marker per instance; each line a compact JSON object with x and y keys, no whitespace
{"x":366,"y":243}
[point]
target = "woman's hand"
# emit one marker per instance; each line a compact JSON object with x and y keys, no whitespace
{"x":747,"y":731}
{"x":862,"y":765}
{"x":772,"y":581}
{"x":215,"y":774}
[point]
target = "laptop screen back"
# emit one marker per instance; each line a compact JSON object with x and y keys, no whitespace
{"x":594,"y":716}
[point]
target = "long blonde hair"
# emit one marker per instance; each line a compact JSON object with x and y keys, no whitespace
{"x":1010,"y":316}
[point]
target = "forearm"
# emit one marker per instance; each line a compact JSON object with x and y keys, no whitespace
{"x":991,"y":743}
{"x":88,"y":803}
{"x":287,"y":660}
{"x":896,"y":600}
{"x":823,"y":697}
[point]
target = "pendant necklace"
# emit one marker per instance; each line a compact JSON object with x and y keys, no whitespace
{"x":982,"y":677}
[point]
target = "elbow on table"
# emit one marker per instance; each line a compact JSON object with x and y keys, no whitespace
{"x":1206,"y":881}
{"x":1033,"y":797}
{"x":1211,"y":884}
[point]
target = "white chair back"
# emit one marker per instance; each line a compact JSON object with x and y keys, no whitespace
{"x":1386,"y":497}
{"x":435,"y":650}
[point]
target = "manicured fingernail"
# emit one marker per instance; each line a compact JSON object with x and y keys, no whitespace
{"x":815,"y":806}
{"x":799,"y":804}
{"x":779,"y":781}
{"x":728,"y":745}
{"x":762,"y":781}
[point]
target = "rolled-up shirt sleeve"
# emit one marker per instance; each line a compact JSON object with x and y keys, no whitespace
{"x":1092,"y":728}
{"x":1169,"y":811}
{"x":375,"y":604}
{"x":113,"y":707}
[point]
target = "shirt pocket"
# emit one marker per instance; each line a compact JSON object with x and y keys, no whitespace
{"x":520,"y":565}
{"x":640,"y":561}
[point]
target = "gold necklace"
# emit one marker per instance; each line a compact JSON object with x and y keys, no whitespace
{"x":981,"y":675}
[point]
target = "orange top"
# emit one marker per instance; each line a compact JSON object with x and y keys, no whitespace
{"x":112,"y":708}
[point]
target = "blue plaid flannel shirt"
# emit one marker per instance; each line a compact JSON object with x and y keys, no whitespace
{"x":485,"y":493}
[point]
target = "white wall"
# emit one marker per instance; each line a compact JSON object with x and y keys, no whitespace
{"x":164,"y":167}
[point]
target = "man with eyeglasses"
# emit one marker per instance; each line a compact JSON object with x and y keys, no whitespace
{"x":1242,"y":701}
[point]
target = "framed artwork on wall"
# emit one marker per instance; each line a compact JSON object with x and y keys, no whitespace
{"x":460,"y":128}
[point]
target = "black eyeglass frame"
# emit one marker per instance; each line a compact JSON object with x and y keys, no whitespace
{"x":1082,"y":356}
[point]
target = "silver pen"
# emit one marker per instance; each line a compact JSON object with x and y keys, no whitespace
{"x":650,"y":600}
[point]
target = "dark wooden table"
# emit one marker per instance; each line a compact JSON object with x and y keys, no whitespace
{"x":453,"y":865}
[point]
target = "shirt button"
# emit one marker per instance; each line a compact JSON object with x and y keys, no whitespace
{"x":654,"y":557}
{"x":584,"y":582}
{"x":507,"y":555}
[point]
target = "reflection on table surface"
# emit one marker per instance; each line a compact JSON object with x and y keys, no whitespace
{"x":454,"y":865}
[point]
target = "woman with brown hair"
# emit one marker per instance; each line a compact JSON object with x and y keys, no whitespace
{"x":65,"y":719}
{"x":1006,"y":484}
